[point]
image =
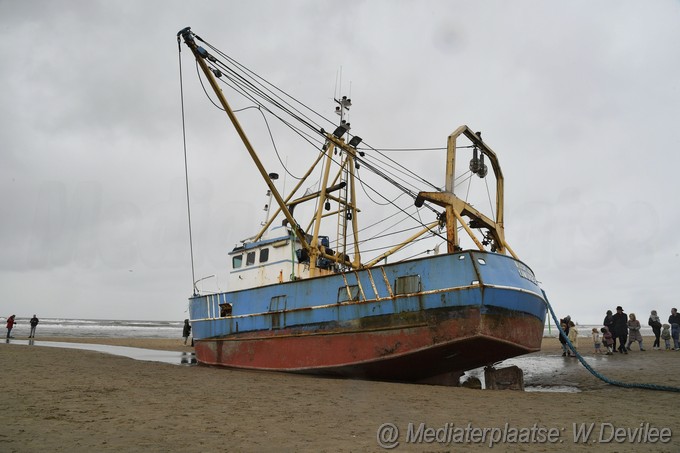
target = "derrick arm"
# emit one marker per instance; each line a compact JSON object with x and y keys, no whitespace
{"x":201,"y":54}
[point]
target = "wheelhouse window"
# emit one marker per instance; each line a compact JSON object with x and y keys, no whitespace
{"x":250,"y":258}
{"x":264,"y":255}
{"x":237,"y":261}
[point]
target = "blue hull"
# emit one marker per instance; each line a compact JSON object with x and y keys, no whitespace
{"x":477,"y":295}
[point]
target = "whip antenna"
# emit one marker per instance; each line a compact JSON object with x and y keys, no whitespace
{"x":186,"y":167}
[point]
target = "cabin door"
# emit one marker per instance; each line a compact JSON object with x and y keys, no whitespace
{"x":277,"y":308}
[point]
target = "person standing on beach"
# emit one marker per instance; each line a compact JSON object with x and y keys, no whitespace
{"x":655,"y":323}
{"x":596,"y":341}
{"x":34,"y":324}
{"x":573,"y":336}
{"x":607,"y":339}
{"x":609,"y":324}
{"x":634,"y":332}
{"x":621,"y":329}
{"x":563,"y":337}
{"x":186,"y":331}
{"x":666,"y":335}
{"x":10,"y":325}
{"x":674,"y":321}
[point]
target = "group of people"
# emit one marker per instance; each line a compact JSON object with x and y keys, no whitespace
{"x":626,"y":330}
{"x":571,"y":332}
{"x":11,"y":322}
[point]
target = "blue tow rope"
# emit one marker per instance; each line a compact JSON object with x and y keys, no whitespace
{"x":664,"y":388}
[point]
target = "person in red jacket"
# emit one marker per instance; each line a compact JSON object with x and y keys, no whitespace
{"x":10,"y":325}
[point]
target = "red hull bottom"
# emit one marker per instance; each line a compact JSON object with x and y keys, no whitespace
{"x":419,"y":350}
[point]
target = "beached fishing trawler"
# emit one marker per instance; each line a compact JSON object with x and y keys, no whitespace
{"x":304,"y":300}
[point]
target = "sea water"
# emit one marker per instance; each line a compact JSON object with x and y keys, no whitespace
{"x":586,"y":330}
{"x":117,"y":328}
{"x":105,"y":328}
{"x":108,"y":328}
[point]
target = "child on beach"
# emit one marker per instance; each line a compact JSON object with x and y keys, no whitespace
{"x":596,"y":341}
{"x":608,"y":340}
{"x":573,"y":336}
{"x":666,"y":336}
{"x":634,"y":332}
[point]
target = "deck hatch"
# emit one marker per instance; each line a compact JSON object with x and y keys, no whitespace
{"x":277,"y":305}
{"x":408,"y":284}
{"x":348,"y":293}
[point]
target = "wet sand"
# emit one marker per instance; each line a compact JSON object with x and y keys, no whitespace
{"x":74,"y":400}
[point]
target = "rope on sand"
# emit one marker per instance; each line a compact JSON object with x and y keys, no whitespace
{"x":664,"y":388}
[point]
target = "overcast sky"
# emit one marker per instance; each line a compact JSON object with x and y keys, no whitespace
{"x":579,"y":99}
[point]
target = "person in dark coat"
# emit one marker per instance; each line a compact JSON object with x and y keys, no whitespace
{"x":655,"y":323}
{"x":34,"y":324}
{"x":564,"y":323}
{"x":621,"y":329}
{"x":186,"y":331}
{"x":674,"y":321}
{"x":609,"y":324}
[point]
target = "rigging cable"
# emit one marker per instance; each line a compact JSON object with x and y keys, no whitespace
{"x":404,"y":248}
{"x":257,"y":106}
{"x":264,"y":81}
{"x":406,"y":170}
{"x":241,"y":85}
{"x":398,"y":174}
{"x":274,"y":145}
{"x":198,"y":72}
{"x":186,"y":169}
{"x":488,"y":193}
{"x":363,"y":188}
{"x":243,"y":91}
{"x":399,"y":208}
{"x":297,"y":115}
{"x":289,"y":109}
{"x":414,"y":255}
{"x":437,"y":148}
{"x":384,"y":233}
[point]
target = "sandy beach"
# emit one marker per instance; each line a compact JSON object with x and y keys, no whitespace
{"x":74,"y":400}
